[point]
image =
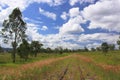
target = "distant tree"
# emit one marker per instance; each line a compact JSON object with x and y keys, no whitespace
{"x":1,"y":49}
{"x":48,"y":50}
{"x":86,"y":49}
{"x":104,"y":47}
{"x":93,"y":49}
{"x":35,"y":47}
{"x":111,"y":47}
{"x":98,"y":48}
{"x":14,"y":30}
{"x":60,"y":50}
{"x":118,"y":42}
{"x":24,"y":50}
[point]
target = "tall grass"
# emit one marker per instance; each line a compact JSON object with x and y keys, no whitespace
{"x":6,"y":60}
{"x":112,"y":57}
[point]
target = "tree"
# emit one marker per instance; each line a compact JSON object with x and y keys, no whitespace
{"x":93,"y":49}
{"x":1,"y":49}
{"x":86,"y":49}
{"x":24,"y":49}
{"x":111,"y":47}
{"x":118,"y":42}
{"x":105,"y":47}
{"x":35,"y":47}
{"x":14,"y":30}
{"x":98,"y":48}
{"x":60,"y":50}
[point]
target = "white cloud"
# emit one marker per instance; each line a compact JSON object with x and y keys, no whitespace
{"x":99,"y":14}
{"x":64,"y":15}
{"x":73,"y":2}
{"x":105,"y":14}
{"x":50,"y":2}
{"x":57,"y":2}
{"x":32,"y":31}
{"x":44,"y":28}
{"x":74,"y":12}
{"x":95,"y":37}
{"x":6,"y":6}
{"x":47,"y":14}
{"x":93,"y":45}
{"x":71,"y":27}
{"x":32,"y":20}
{"x":73,"y":24}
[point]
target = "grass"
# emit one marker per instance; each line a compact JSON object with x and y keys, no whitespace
{"x":112,"y":57}
{"x":54,"y":71}
{"x":52,"y":66}
{"x":6,"y":61}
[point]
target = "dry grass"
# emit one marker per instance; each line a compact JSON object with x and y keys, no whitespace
{"x":114,"y":68}
{"x":18,"y":71}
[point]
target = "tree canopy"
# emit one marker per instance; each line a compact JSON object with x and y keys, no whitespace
{"x":105,"y":47}
{"x":14,"y":30}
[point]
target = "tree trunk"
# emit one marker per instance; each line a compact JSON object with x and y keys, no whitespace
{"x":14,"y":44}
{"x":13,"y":56}
{"x":35,"y":55}
{"x":14,"y":53}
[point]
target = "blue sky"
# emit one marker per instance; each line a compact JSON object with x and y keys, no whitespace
{"x":70,"y":24}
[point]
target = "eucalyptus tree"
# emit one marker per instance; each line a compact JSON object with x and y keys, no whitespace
{"x":13,"y":30}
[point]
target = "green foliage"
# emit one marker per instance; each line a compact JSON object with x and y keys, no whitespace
{"x":1,"y":50}
{"x":24,"y":49}
{"x":35,"y":47}
{"x":118,"y":42}
{"x":111,"y":46}
{"x":104,"y":47}
{"x":98,"y":48}
{"x":14,"y":30}
{"x":93,"y":49}
{"x":86,"y":49}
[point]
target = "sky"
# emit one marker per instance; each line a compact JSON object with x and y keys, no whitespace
{"x":71,"y":24}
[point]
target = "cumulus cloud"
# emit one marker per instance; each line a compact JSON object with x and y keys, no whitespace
{"x":64,"y":15}
{"x":93,"y":45}
{"x":74,"y":12}
{"x":32,"y":32}
{"x":104,"y":14}
{"x":73,"y":2}
{"x":6,"y":6}
{"x":44,"y":28}
{"x":47,"y":14}
{"x":98,"y":37}
{"x":73,"y":24}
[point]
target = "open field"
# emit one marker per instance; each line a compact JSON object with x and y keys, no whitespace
{"x":70,"y":66}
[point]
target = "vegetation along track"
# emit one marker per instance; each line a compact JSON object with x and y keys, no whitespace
{"x":72,"y":67}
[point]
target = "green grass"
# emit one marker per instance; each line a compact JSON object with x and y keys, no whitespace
{"x":112,"y":57}
{"x":53,"y":70}
{"x":6,"y":60}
